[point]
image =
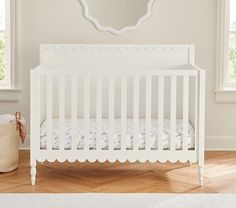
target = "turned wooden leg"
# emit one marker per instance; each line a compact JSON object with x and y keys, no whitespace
{"x":201,"y":174}
{"x":33,"y":174}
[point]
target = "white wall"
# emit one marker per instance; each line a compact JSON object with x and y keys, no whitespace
{"x":172,"y":22}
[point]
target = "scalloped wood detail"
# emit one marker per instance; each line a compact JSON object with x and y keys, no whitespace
{"x":173,"y":158}
{"x":112,"y":47}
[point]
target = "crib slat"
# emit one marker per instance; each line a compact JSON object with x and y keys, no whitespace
{"x":86,"y":111}
{"x":111,"y":112}
{"x":173,"y":114}
{"x":99,"y":112}
{"x":49,"y":112}
{"x":185,"y":111}
{"x":160,"y":111}
{"x":74,"y":110}
{"x":136,"y":113}
{"x":62,"y":111}
{"x":123,"y":111}
{"x":148,"y":110}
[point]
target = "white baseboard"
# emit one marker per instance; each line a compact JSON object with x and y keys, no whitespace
{"x":213,"y":143}
{"x":220,"y":143}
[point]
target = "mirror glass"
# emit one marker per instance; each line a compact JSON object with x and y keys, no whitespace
{"x":117,"y":15}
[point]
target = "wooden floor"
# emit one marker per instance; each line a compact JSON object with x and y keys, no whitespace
{"x":220,"y":177}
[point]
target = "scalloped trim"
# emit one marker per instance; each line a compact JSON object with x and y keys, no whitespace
{"x":112,"y":30}
{"x":113,"y":47}
{"x":113,"y":160}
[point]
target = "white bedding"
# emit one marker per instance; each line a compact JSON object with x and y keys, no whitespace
{"x":117,"y":134}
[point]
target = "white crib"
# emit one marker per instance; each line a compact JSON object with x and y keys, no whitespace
{"x":117,"y":102}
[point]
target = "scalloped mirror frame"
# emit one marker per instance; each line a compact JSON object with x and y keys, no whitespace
{"x":112,"y":30}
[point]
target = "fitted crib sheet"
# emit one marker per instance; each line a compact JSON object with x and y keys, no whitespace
{"x":80,"y":134}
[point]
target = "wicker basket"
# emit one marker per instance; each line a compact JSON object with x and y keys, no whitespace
{"x":9,"y":142}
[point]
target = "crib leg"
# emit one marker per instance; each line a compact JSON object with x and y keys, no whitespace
{"x":33,"y":174}
{"x":201,"y":174}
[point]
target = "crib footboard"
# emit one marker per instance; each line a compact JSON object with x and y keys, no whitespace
{"x":148,"y":152}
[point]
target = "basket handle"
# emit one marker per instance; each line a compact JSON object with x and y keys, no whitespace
{"x":18,"y":116}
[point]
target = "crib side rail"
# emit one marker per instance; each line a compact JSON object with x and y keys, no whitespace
{"x":111,"y":153}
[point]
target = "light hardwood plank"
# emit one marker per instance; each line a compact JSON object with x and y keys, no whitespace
{"x":119,"y":178}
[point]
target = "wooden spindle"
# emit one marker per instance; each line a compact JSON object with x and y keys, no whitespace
{"x":136,"y":112}
{"x":123,"y":112}
{"x":99,"y":112}
{"x":49,"y":111}
{"x":148,"y":110}
{"x":74,"y":111}
{"x":173,"y":114}
{"x":185,"y":111}
{"x":62,"y":111}
{"x":86,"y":111}
{"x":111,"y":112}
{"x":160,"y":111}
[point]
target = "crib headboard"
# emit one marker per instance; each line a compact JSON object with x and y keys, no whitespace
{"x":96,"y":56}
{"x":115,"y":56}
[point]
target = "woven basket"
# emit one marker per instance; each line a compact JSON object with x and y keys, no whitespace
{"x":9,"y":142}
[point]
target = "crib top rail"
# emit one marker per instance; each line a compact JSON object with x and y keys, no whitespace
{"x":189,"y":70}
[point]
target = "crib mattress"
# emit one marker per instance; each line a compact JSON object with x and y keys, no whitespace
{"x":116,"y":134}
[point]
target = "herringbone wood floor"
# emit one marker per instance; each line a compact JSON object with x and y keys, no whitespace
{"x":85,"y":177}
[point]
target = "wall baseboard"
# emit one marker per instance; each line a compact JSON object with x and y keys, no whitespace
{"x":220,"y":143}
{"x":213,"y":143}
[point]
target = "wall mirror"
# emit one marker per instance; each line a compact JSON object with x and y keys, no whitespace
{"x":117,"y":16}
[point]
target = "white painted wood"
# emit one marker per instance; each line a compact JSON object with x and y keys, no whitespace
{"x":148,"y":111}
{"x":123,"y":112}
{"x":161,"y":85}
{"x":113,"y":56}
{"x":226,"y":96}
{"x":34,"y":125}
{"x":136,"y":112}
{"x":86,"y":111}
{"x":49,"y":112}
{"x":191,"y":56}
{"x":62,"y":112}
{"x":10,"y":34}
{"x":185,"y":112}
{"x":122,"y":72}
{"x":201,"y":129}
{"x":74,"y":110}
{"x":196,"y":109}
{"x":121,"y":156}
{"x":38,"y":109}
{"x":111,"y":111}
{"x":173,"y":114}
{"x":201,"y":175}
{"x":100,"y":26}
{"x":99,"y":112}
{"x":134,"y":70}
{"x":223,"y":19}
{"x":225,"y":90}
{"x":33,"y":174}
{"x":10,"y":95}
